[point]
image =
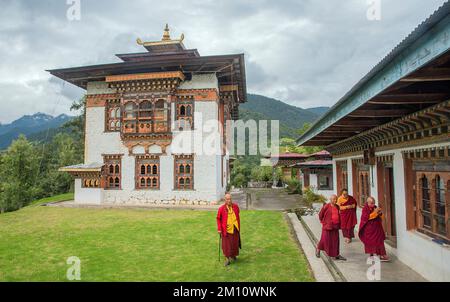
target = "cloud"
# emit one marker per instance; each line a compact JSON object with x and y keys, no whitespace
{"x":306,"y":53}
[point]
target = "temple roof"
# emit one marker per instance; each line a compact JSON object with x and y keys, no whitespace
{"x":162,"y":56}
{"x":165,"y":45}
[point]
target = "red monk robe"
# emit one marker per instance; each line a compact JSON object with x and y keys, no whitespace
{"x":329,"y":241}
{"x":231,"y":238}
{"x":371,"y":231}
{"x":348,"y":216}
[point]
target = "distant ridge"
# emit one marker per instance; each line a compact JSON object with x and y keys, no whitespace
{"x":29,"y":125}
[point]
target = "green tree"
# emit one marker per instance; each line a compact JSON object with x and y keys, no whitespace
{"x":18,"y":175}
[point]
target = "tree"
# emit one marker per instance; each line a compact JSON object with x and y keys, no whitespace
{"x":19,"y":173}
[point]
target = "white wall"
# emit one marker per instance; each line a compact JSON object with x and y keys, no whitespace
{"x":87,"y":195}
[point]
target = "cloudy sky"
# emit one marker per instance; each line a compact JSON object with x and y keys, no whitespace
{"x":306,"y":53}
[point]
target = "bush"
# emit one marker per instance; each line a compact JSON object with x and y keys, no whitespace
{"x":294,"y":186}
{"x":310,"y":197}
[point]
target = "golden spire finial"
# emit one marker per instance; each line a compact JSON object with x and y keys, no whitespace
{"x":166,"y":35}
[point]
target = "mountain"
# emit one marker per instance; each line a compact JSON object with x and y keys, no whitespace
{"x":30,"y":125}
{"x":319,"y":110}
{"x":291,"y":118}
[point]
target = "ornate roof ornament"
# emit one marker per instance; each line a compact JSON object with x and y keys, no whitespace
{"x":164,"y":41}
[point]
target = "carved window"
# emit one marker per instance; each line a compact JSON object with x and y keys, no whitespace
{"x":113,"y":116}
{"x":147,"y":173}
{"x":113,"y":171}
{"x":146,"y":116}
{"x":184,"y":172}
{"x":185,"y":114}
{"x":432,"y":193}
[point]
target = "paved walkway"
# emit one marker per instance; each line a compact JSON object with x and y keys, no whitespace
{"x":267,"y":199}
{"x":355,"y":268}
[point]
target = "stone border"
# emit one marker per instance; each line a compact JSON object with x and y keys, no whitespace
{"x":320,"y":270}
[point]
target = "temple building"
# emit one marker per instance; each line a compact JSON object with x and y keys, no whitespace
{"x":316,"y":173}
{"x":154,"y":125}
{"x":389,"y":138}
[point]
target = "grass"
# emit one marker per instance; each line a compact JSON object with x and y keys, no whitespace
{"x":57,"y":198}
{"x":143,"y":245}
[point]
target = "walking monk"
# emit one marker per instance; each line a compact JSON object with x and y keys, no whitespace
{"x":330,"y":219}
{"x":347,"y":206}
{"x":229,"y":225}
{"x":371,"y":230}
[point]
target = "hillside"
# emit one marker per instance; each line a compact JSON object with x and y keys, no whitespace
{"x":291,"y":118}
{"x":29,"y":125}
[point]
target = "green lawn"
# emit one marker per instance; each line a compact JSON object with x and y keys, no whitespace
{"x":57,"y":198}
{"x":143,"y":245}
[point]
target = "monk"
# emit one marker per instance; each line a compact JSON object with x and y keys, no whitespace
{"x":330,"y":219}
{"x":371,"y":230}
{"x":229,"y":226}
{"x":347,"y":206}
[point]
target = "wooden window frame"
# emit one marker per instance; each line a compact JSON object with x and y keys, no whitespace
{"x":116,"y":118}
{"x":342,"y":175}
{"x":330,"y":181}
{"x":114,"y":160}
{"x":183,"y":160}
{"x":184,"y":103}
{"x":432,"y":229}
{"x":361,"y":186}
{"x":148,"y":161}
{"x":146,"y":120}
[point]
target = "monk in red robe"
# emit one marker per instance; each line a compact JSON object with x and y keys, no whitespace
{"x":371,"y":230}
{"x":330,"y":219}
{"x":229,"y":226}
{"x":347,"y":206}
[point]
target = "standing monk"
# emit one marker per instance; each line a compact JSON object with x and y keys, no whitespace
{"x":371,"y":230}
{"x":229,"y":225}
{"x":347,"y":205}
{"x":330,"y":219}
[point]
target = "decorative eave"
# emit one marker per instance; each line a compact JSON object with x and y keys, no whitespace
{"x":145,"y":76}
{"x":430,"y":123}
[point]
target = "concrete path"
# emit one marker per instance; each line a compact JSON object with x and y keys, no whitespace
{"x":268,"y":199}
{"x":355,"y":268}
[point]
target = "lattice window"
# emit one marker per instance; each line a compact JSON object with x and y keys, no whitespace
{"x":185,"y":114}
{"x":147,"y":172}
{"x":113,"y":116}
{"x":113,"y":171}
{"x":325,"y":182}
{"x":432,"y":199}
{"x":184,"y":172}
{"x":146,"y":116}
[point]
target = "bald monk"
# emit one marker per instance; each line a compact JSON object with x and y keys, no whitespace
{"x":347,"y":206}
{"x":229,"y":226}
{"x":371,"y":230}
{"x":330,"y":219}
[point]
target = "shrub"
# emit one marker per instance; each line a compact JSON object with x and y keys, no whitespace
{"x":294,"y":186}
{"x":310,"y":197}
